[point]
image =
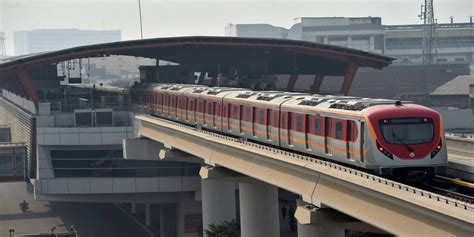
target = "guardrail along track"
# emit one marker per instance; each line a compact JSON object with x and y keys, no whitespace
{"x":351,"y":191}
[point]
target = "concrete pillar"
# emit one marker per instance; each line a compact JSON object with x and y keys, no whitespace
{"x":218,"y":202}
{"x":147,"y":214}
{"x":259,"y":214}
{"x":134,"y":208}
{"x":168,"y":219}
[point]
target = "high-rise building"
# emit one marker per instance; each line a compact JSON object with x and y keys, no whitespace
{"x":42,"y":40}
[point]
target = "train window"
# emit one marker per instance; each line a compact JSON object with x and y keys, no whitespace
{"x":235,"y":112}
{"x":350,"y":130}
{"x":299,"y":123}
{"x":210,"y":108}
{"x":317,"y":125}
{"x":283,"y":121}
{"x":248,"y":114}
{"x":200,"y":109}
{"x":338,"y":130}
{"x":261,"y":116}
{"x":275,"y":118}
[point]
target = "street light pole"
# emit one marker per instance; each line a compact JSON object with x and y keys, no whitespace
{"x":140,"y":13}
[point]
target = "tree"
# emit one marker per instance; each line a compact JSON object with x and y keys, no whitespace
{"x":225,"y":229}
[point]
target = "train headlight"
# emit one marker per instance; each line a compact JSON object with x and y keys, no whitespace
{"x":384,"y":151}
{"x":437,"y":149}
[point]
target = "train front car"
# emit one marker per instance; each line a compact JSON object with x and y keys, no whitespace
{"x":407,"y":141}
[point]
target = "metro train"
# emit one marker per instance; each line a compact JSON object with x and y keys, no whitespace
{"x":386,"y":137}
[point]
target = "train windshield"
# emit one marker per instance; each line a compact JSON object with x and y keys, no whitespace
{"x":407,"y":131}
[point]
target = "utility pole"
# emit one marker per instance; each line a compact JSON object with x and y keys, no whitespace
{"x":3,"y":50}
{"x":429,"y":28}
{"x":140,"y":13}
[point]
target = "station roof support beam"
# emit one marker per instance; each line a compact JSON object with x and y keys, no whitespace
{"x":316,"y":86}
{"x":348,"y":78}
{"x":292,"y":82}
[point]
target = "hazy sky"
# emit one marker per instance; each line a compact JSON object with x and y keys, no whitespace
{"x":197,"y":17}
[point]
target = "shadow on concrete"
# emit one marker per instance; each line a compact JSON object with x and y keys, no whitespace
{"x":96,"y":219}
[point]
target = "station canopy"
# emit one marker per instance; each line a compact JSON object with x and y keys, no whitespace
{"x":199,"y":53}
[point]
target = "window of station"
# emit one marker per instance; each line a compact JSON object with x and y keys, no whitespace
{"x":109,"y":163}
{"x":12,"y":162}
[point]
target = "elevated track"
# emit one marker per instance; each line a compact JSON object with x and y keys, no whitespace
{"x":391,"y":206}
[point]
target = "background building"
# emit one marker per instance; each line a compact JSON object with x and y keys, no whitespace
{"x":3,"y":51}
{"x":454,"y":42}
{"x":256,"y":30}
{"x":35,"y":41}
{"x":365,"y":33}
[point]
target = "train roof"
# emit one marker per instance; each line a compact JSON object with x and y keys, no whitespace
{"x":328,"y":103}
{"x":212,"y":92}
{"x":265,"y":97}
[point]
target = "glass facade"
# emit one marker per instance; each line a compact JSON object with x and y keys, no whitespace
{"x":109,"y":163}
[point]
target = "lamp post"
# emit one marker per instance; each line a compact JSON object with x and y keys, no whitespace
{"x":140,"y":13}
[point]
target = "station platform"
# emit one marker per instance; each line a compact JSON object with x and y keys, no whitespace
{"x":461,"y":156}
{"x":461,"y":166}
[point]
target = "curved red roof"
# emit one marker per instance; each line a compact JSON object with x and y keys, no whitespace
{"x":278,"y":55}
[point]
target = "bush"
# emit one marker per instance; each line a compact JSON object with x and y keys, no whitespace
{"x":225,"y":229}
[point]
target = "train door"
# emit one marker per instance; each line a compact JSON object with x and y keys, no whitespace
{"x":350,"y":145}
{"x":254,"y":122}
{"x":217,"y":115}
{"x":227,"y":114}
{"x":200,"y":111}
{"x":362,"y":141}
{"x":289,"y":116}
{"x":267,"y":123}
{"x":327,"y":135}
{"x":186,"y":109}
{"x":306,"y":131}
{"x":191,"y":110}
{"x":241,"y":118}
